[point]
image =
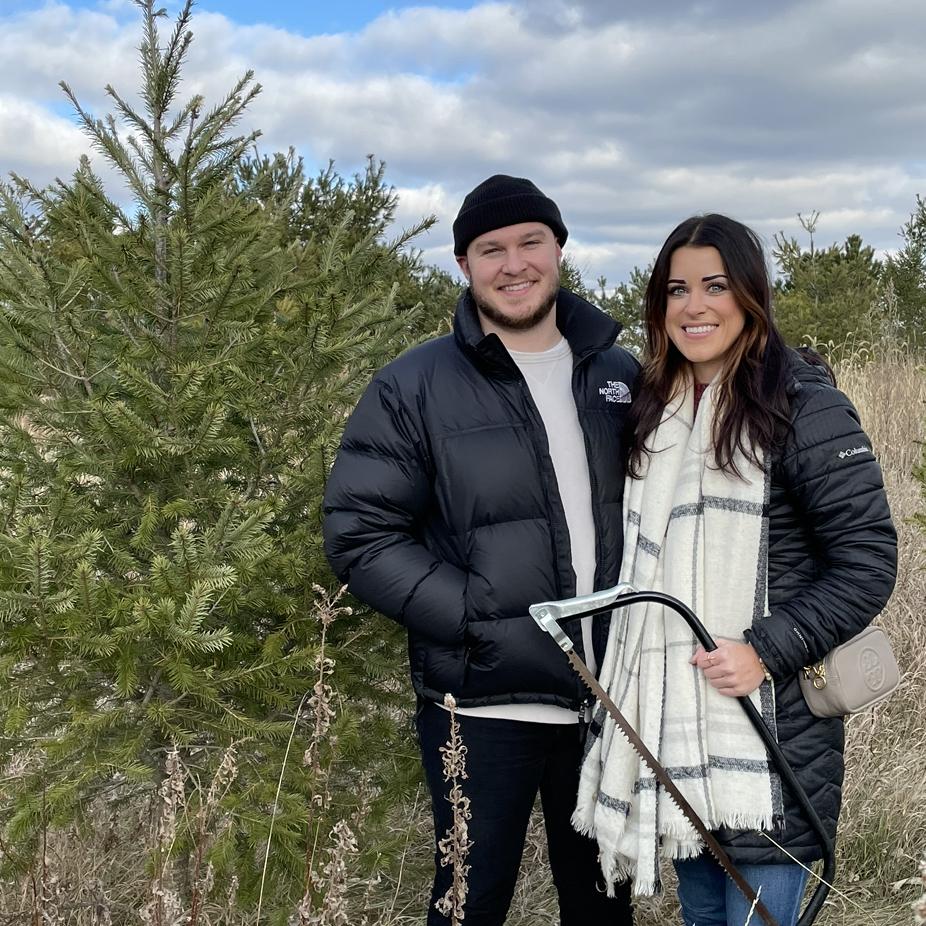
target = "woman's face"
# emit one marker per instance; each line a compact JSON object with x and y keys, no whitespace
{"x":703,"y":320}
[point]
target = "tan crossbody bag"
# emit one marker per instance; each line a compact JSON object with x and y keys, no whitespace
{"x":854,"y":676}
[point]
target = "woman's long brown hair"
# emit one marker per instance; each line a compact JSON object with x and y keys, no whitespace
{"x":752,"y":404}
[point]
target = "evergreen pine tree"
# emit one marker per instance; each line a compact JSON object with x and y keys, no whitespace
{"x":906,"y":272}
{"x":174,"y":376}
{"x":626,"y":303}
{"x":311,"y":208}
{"x":830,"y":296}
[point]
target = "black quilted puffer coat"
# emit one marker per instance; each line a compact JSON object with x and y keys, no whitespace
{"x":442,"y":509}
{"x":832,"y":564}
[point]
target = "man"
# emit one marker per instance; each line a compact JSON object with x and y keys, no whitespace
{"x":479,"y":473}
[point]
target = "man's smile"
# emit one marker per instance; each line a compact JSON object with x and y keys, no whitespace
{"x":517,"y":287}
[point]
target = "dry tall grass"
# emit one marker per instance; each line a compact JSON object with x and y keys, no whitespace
{"x":883,"y":825}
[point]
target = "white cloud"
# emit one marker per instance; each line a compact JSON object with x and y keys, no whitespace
{"x":36,"y":143}
{"x":55,"y":42}
{"x":430,"y":199}
{"x":631,"y":116}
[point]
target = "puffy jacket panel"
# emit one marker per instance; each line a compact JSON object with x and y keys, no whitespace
{"x":442,"y":509}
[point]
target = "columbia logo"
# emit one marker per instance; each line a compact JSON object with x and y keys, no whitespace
{"x":615,"y":391}
{"x":852,"y":452}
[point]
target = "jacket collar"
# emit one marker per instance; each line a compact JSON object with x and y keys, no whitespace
{"x":587,"y":329}
{"x":802,"y":373}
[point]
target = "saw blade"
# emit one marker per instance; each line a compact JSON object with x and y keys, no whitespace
{"x":676,"y":796}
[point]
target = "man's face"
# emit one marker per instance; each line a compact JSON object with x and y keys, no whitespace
{"x":513,"y":273}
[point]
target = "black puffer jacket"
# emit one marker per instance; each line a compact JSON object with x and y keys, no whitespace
{"x":442,"y":509}
{"x":832,"y":563}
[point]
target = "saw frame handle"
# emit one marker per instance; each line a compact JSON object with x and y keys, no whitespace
{"x":547,"y":614}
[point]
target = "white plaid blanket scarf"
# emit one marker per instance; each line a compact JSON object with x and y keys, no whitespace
{"x":698,"y":534}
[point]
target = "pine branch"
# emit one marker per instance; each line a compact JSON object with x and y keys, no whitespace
{"x":162,"y":69}
{"x":106,"y":140}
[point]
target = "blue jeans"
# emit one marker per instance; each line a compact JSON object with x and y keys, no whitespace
{"x":508,"y":762}
{"x":709,"y":898}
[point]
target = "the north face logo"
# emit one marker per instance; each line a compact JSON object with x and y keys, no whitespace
{"x":614,"y":391}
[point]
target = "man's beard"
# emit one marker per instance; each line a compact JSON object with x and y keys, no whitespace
{"x":520,"y":323}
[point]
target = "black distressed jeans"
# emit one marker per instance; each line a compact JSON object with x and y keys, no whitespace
{"x":508,"y":762}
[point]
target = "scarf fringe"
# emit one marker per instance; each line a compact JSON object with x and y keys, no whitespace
{"x":582,"y":824}
{"x":620,"y":868}
{"x":681,"y":849}
{"x":683,"y":831}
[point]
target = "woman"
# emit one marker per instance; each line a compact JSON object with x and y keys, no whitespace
{"x":743,"y":503}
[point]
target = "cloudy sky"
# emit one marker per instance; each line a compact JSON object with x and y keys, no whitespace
{"x":632,"y":115}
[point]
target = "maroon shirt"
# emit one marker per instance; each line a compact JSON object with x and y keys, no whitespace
{"x":698,"y":392}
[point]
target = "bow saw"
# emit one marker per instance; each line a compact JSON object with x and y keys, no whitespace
{"x":547,"y":614}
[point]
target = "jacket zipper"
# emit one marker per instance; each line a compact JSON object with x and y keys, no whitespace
{"x":537,"y":427}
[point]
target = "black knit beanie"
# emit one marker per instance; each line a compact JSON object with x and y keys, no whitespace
{"x":501,"y":201}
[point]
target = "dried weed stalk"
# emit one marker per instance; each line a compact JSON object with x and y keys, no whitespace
{"x":331,"y":884}
{"x":208,"y":828}
{"x":322,"y":693}
{"x":325,"y":901}
{"x":454,"y":847}
{"x":322,"y":714}
{"x":164,"y":907}
{"x":231,"y":900}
